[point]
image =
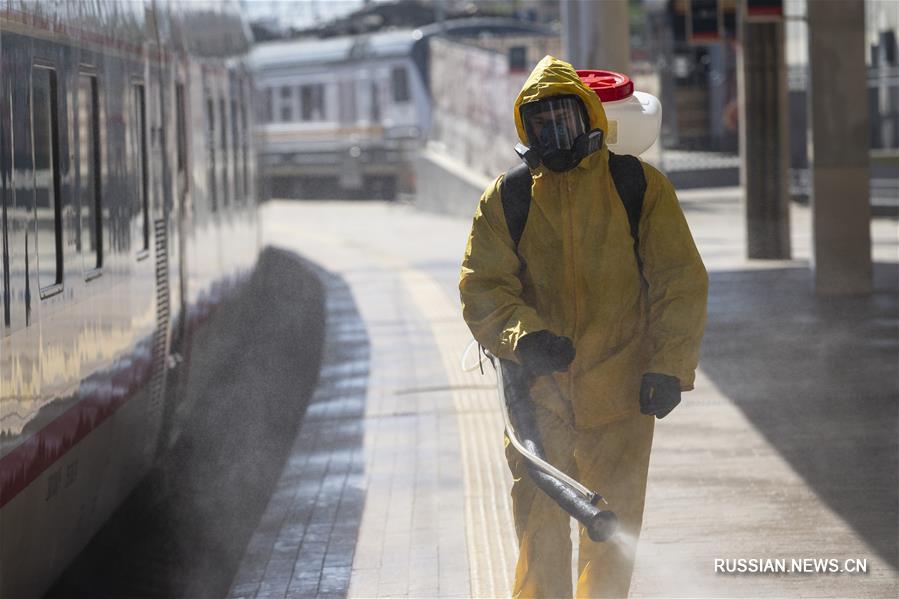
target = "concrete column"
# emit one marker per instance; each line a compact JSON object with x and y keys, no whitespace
{"x":841,"y":198}
{"x":764,"y":140}
{"x":596,"y":34}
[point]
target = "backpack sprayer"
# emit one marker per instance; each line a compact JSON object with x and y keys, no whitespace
{"x":513,"y":384}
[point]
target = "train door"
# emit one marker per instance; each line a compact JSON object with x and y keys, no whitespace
{"x":180,"y":210}
{"x":20,"y":343}
{"x":157,"y":172}
{"x":5,"y":195}
{"x":173,"y":102}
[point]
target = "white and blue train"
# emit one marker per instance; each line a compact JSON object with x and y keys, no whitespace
{"x":346,"y":112}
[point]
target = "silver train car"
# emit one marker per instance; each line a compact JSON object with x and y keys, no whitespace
{"x":345,"y":113}
{"x":128,"y":188}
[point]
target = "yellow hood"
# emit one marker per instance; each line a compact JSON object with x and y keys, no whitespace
{"x":554,"y":77}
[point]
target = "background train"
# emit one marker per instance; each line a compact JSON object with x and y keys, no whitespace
{"x":343,"y":113}
{"x":128,"y":213}
{"x":348,"y":114}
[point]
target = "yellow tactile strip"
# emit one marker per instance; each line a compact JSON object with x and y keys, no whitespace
{"x":490,"y":531}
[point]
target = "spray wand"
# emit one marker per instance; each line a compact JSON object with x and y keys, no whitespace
{"x":513,"y":384}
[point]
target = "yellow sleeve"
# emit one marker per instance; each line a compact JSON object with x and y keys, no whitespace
{"x":678,"y":282}
{"x":489,"y":284}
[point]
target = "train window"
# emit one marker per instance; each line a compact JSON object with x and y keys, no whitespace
{"x":139,"y":115}
{"x":375,"y":103}
{"x":267,"y":106}
{"x":5,"y":163}
{"x":286,"y":110}
{"x":45,"y":137}
{"x":312,"y":102}
{"x":223,"y":117}
{"x":235,"y":149}
{"x":518,"y":59}
{"x":181,"y":133}
{"x":399,"y":79}
{"x":245,"y":144}
{"x":210,"y":149}
{"x":89,"y":173}
{"x":347,"y":101}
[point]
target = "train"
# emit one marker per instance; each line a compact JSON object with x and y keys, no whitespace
{"x":129,"y":213}
{"x":347,"y":115}
{"x":343,"y":113}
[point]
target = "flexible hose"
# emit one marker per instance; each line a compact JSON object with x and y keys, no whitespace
{"x":569,"y":494}
{"x":573,"y":497}
{"x":478,"y":364}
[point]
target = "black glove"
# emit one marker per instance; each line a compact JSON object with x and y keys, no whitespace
{"x":543,"y":353}
{"x":659,"y":394}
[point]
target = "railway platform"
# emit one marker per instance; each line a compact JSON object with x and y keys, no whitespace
{"x":385,"y":476}
{"x":396,"y":485}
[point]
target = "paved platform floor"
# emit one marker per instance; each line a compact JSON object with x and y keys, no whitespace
{"x":396,"y":485}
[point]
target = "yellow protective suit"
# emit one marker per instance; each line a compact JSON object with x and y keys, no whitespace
{"x":575,"y":274}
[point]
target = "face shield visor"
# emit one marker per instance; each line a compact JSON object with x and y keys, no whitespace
{"x":557,"y":131}
{"x":554,"y":123}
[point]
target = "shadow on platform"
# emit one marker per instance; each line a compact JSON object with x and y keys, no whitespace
{"x":819,"y":378}
{"x":184,"y":529}
{"x":305,"y":541}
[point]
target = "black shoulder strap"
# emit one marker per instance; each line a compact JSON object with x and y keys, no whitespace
{"x":627,"y":173}
{"x":515,"y":192}
{"x":630,"y":181}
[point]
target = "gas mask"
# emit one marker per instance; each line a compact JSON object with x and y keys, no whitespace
{"x":557,"y":132}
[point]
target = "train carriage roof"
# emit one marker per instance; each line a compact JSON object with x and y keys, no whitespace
{"x":316,"y":52}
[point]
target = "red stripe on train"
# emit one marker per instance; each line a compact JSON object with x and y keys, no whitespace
{"x":21,"y":466}
{"x":35,"y":455}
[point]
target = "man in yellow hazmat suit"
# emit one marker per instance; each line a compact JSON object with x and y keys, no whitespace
{"x":611,"y":342}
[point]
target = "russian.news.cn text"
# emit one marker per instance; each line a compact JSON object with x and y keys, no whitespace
{"x":798,"y":565}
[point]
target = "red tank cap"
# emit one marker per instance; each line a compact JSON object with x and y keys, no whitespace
{"x":608,"y":85}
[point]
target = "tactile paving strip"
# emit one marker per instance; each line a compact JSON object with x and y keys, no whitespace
{"x":492,"y":547}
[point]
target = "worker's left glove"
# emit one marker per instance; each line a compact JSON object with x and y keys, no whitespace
{"x":659,"y":394}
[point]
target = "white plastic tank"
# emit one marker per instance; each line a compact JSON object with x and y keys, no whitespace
{"x":635,"y":118}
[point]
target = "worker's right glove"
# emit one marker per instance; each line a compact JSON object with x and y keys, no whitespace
{"x":543,"y":352}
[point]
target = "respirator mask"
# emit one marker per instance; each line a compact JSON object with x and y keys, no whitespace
{"x":557,"y":131}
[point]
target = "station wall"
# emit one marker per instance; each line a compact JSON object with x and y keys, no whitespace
{"x":473,"y":84}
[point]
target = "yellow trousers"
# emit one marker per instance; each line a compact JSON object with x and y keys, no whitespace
{"x":613,"y":459}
